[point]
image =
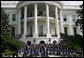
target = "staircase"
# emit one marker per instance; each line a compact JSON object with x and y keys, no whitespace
{"x":55,"y":48}
{"x":17,"y":39}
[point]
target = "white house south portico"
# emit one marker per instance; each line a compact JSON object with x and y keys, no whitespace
{"x":36,"y":17}
{"x":43,"y":21}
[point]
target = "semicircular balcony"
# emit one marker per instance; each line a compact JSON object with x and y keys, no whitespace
{"x":41,"y":12}
{"x":41,"y":17}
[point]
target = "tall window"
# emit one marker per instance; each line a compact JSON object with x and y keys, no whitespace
{"x":55,"y":30}
{"x":13,"y":31}
{"x":65,"y":17}
{"x":22,"y":29}
{"x":73,"y":17}
{"x":13,"y":17}
{"x":31,"y":14}
{"x":50,"y":29}
{"x":30,"y":30}
{"x":65,"y":30}
{"x":40,"y":13}
{"x":75,"y":31}
{"x":40,"y":29}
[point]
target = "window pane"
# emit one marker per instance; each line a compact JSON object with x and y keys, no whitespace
{"x":30,"y":30}
{"x":22,"y":30}
{"x":40,"y":13}
{"x":55,"y":30}
{"x":13,"y":17}
{"x":65,"y":30}
{"x":75,"y":32}
{"x":65,"y":17}
{"x":40,"y":29}
{"x":73,"y":17}
{"x":13,"y":33}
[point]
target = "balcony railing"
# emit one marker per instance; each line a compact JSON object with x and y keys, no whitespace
{"x":29,"y":35}
{"x":38,"y":35}
{"x":54,"y":35}
{"x":42,"y":35}
{"x":39,"y":14}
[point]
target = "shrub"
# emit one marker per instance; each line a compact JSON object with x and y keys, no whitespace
{"x":8,"y":43}
{"x":75,"y":43}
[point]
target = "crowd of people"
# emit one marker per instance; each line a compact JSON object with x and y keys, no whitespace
{"x":43,"y":50}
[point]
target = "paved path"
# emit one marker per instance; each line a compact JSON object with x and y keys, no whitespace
{"x":54,"y":56}
{"x":51,"y":56}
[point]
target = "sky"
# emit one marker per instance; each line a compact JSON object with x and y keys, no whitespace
{"x":64,"y":2}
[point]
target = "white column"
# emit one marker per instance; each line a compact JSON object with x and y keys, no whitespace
{"x":47,"y":21}
{"x":35,"y":35}
{"x":61,"y":19}
{"x":25,"y":21}
{"x":70,"y":28}
{"x":56,"y":22}
{"x":19,"y":22}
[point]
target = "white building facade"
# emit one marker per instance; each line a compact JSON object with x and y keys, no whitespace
{"x":43,"y":20}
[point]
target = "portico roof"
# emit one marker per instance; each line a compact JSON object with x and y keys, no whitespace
{"x":15,"y":4}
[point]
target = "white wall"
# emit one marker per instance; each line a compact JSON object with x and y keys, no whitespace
{"x":67,"y":12}
{"x":43,"y":22}
{"x":46,"y":40}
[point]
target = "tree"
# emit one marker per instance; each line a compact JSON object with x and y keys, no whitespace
{"x":5,"y":27}
{"x":8,"y":46}
{"x":79,"y":21}
{"x":75,"y":43}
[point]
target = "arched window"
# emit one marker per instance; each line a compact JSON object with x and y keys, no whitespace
{"x":42,"y":42}
{"x":54,"y":42}
{"x":28,"y":42}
